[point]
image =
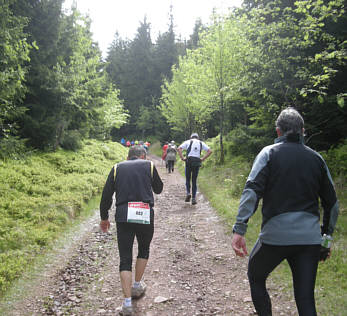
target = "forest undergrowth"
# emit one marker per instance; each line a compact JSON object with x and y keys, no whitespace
{"x":41,"y":195}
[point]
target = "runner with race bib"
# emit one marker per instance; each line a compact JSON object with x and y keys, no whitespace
{"x":133,"y":183}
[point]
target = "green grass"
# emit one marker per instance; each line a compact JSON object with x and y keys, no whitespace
{"x":42,"y":195}
{"x":31,"y":278}
{"x":223,"y":184}
{"x":155,"y":149}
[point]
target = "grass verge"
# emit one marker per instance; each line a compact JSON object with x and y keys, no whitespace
{"x":51,"y":257}
{"x":44,"y":194}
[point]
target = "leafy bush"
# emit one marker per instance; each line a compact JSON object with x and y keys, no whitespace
{"x":336,"y":159}
{"x":71,"y":141}
{"x":246,"y":142}
{"x":42,"y":194}
{"x":12,"y":147}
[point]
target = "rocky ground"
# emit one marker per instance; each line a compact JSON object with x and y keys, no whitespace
{"x":192,"y":269}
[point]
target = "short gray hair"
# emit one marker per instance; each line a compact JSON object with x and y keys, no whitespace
{"x":137,"y":151}
{"x":290,"y":121}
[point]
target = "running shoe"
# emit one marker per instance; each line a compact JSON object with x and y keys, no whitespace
{"x":127,"y":311}
{"x":188,"y":198}
{"x":193,"y":201}
{"x":137,"y":292}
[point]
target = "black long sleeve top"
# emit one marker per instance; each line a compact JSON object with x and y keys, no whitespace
{"x":132,"y":181}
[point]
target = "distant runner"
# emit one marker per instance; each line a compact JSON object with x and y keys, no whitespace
{"x":163,"y":156}
{"x":171,"y":153}
{"x":193,"y":146}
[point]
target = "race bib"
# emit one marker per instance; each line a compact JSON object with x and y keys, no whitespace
{"x":139,"y":212}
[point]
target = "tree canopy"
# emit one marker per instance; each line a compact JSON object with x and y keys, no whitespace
{"x":230,"y":78}
{"x":256,"y":60}
{"x":57,"y":87}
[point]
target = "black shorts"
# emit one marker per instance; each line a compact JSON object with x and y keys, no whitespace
{"x":126,"y":233}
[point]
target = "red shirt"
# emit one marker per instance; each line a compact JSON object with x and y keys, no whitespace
{"x":164,"y":151}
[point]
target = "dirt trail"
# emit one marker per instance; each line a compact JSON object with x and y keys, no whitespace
{"x":192,"y":269}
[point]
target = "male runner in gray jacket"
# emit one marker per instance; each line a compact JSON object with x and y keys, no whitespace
{"x":290,"y":178}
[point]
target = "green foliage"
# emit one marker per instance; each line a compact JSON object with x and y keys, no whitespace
{"x":155,"y":149}
{"x":42,"y":194}
{"x":209,"y":78}
{"x":67,"y":86}
{"x":138,"y":68}
{"x":12,"y":147}
{"x":14,"y":56}
{"x":336,"y":159}
{"x":176,"y":103}
{"x":71,"y":141}
{"x":246,"y":142}
{"x":303,"y":65}
{"x":151,"y":122}
{"x":113,"y":114}
{"x":12,"y":264}
{"x":194,"y":38}
{"x":242,"y":69}
{"x":130,"y":66}
{"x":257,"y":60}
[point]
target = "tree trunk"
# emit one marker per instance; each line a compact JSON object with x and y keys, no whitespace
{"x":221,"y":127}
{"x":58,"y":134}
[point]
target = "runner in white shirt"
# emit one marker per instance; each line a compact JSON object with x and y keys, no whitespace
{"x":193,"y":146}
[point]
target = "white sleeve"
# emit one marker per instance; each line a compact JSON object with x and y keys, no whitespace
{"x":185,"y":145}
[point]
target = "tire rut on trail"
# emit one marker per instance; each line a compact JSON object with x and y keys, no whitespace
{"x":192,"y":269}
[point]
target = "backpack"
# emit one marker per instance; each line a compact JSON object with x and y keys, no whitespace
{"x":190,"y":147}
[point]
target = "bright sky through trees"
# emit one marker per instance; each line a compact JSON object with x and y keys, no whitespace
{"x":109,"y":16}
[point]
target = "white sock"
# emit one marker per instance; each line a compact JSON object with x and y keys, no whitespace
{"x":137,"y":284}
{"x":127,"y":301}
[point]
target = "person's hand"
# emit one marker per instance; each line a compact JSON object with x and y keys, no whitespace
{"x":239,"y":245}
{"x":324,"y":253}
{"x":105,"y":225}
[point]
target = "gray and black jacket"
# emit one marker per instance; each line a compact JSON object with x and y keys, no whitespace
{"x":290,"y":178}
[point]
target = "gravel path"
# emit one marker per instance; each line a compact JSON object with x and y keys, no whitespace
{"x":192,"y":269}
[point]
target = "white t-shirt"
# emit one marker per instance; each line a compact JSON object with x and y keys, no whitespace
{"x":195,"y":150}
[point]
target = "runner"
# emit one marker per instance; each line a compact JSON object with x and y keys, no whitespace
{"x":163,"y":156}
{"x":291,"y":178}
{"x":171,"y":156}
{"x":193,"y":146}
{"x":132,"y":181}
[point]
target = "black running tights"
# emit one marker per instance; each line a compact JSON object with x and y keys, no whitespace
{"x":126,"y":233}
{"x":303,"y":261}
